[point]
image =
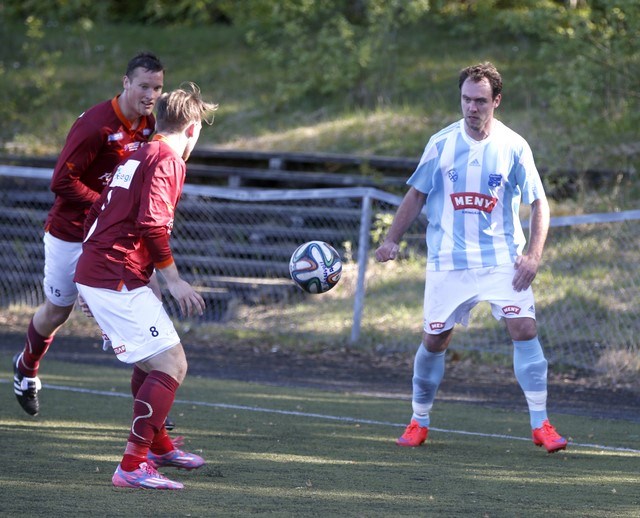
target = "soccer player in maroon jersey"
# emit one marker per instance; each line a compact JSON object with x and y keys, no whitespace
{"x":127,"y":238}
{"x":98,"y":141}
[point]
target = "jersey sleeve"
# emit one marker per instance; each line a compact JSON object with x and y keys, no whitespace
{"x":83,"y":144}
{"x":157,"y":209}
{"x":156,"y":240}
{"x":422,"y":177}
{"x":528,"y":176}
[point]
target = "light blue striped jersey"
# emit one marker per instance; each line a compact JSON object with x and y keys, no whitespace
{"x":474,"y":189}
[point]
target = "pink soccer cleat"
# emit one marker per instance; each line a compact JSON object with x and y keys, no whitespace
{"x":176,"y":458}
{"x":145,"y":477}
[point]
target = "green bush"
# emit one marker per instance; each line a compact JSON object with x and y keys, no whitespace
{"x":330,"y":48}
{"x":33,"y":81}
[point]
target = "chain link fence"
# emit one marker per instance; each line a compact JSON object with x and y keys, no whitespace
{"x":234,"y":246}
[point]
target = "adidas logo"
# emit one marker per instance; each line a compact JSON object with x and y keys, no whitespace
{"x":474,"y":163}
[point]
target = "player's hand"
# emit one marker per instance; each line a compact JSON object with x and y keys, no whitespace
{"x":190,"y":301}
{"x":526,"y":270}
{"x":387,"y":251}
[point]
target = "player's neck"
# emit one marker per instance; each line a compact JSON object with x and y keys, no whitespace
{"x":131,"y":115}
{"x":479,"y":134}
{"x":175,"y":141}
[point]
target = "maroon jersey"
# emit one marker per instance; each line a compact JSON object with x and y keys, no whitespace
{"x":97,"y":142}
{"x":128,"y":228}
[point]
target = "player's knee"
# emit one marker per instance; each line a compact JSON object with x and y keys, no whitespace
{"x":172,"y":362}
{"x":522,"y":329}
{"x":436,"y":343}
{"x":180,"y":366}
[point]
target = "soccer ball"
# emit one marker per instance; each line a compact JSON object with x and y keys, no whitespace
{"x":315,"y":267}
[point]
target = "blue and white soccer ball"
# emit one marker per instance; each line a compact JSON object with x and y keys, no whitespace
{"x":315,"y":267}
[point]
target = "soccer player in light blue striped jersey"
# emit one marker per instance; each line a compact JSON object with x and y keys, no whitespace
{"x":472,"y":176}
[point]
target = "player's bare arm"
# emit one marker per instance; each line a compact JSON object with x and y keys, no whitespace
{"x":407,"y":213}
{"x":189,"y":300}
{"x":527,"y":264}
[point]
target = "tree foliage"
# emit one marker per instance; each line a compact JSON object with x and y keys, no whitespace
{"x":594,"y":87}
{"x":184,"y":12}
{"x":588,"y":96}
{"x":334,"y":47}
{"x":35,"y":84}
{"x":349,"y":50}
{"x":56,"y":11}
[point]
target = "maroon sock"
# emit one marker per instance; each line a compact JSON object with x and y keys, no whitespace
{"x":133,"y":456}
{"x":152,"y":403}
{"x":34,"y":349}
{"x":137,"y":379}
{"x":161,"y":443}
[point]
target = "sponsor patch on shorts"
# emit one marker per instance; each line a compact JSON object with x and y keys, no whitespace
{"x":120,"y":349}
{"x":511,"y":310}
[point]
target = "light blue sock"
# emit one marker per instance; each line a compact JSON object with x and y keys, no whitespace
{"x":428,"y":371}
{"x":530,"y":367}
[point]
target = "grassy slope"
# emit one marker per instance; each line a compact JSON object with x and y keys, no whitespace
{"x":423,"y":96}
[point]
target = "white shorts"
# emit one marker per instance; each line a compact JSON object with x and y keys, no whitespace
{"x":134,"y":321}
{"x":60,"y":261}
{"x":449,"y":296}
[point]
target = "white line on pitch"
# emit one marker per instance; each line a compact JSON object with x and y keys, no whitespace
{"x":326,"y":417}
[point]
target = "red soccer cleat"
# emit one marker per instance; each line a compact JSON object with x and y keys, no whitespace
{"x":547,"y":436}
{"x":414,"y":435}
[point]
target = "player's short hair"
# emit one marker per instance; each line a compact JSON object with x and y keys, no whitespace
{"x":177,"y":109}
{"x":482,"y":71}
{"x":145,"y":60}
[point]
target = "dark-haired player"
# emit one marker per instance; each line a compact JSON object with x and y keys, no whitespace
{"x":473,"y":175}
{"x":97,"y":142}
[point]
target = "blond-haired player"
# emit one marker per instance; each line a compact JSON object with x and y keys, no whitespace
{"x":128,"y":232}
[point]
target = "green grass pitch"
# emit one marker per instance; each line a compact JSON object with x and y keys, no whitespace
{"x":303,"y":452}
